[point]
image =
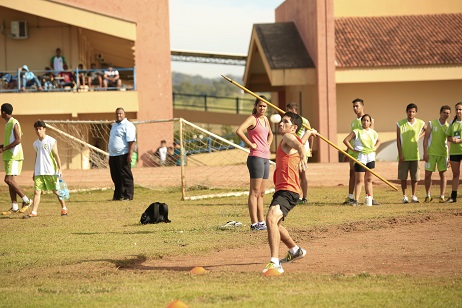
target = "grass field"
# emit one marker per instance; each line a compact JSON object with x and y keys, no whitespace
{"x":100,"y":256}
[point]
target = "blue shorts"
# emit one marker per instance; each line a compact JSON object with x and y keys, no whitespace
{"x":258,"y":167}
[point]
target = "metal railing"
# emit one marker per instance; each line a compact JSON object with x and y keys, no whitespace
{"x":71,"y":80}
{"x":212,"y":103}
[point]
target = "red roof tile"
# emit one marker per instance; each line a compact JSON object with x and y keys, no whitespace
{"x":398,"y":41}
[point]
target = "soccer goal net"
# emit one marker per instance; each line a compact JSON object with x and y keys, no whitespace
{"x":202,"y":164}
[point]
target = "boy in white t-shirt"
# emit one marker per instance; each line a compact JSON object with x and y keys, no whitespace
{"x":47,"y":167}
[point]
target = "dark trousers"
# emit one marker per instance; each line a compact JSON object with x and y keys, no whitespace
{"x":121,"y":174}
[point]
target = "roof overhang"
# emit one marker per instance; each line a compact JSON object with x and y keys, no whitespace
{"x":75,"y":16}
{"x":397,"y":74}
{"x":259,"y":76}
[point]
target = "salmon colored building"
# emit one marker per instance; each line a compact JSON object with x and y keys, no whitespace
{"x":323,"y":54}
{"x":127,"y":34}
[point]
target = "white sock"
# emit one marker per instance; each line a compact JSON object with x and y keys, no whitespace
{"x":351,"y":196}
{"x":34,"y":212}
{"x":294,"y":250}
{"x":275,"y":261}
{"x":442,"y":196}
{"x":25,"y":199}
{"x":15,"y":206}
{"x":64,"y":208}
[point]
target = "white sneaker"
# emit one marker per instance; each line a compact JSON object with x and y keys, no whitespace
{"x":405,"y":200}
{"x":414,"y":199}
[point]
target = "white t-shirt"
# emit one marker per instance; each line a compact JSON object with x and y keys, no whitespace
{"x":45,"y":163}
{"x":163,"y":153}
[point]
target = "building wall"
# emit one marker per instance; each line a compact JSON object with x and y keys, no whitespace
{"x":386,"y":103}
{"x":45,"y":36}
{"x":315,"y":24}
{"x":152,"y":59}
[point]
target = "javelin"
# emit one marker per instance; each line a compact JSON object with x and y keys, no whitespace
{"x":309,"y":128}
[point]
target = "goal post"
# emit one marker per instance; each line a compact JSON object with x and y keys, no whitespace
{"x":203,"y":164}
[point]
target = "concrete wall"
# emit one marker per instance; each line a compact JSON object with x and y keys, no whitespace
{"x":386,"y":103}
{"x":315,"y":24}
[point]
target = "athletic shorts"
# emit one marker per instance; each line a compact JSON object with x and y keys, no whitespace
{"x":436,"y":161}
{"x":286,"y":199}
{"x":13,"y":167}
{"x":455,"y":158}
{"x":258,"y":167}
{"x":359,"y":168}
{"x":45,"y":182}
{"x":412,"y":166}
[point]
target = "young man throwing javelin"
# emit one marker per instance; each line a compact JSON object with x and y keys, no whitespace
{"x":290,"y":160}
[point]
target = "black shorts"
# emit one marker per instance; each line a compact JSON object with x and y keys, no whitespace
{"x":258,"y":167}
{"x":455,"y":158}
{"x":286,"y":199}
{"x":359,"y":168}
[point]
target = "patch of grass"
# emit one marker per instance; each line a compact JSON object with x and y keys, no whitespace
{"x":90,"y":257}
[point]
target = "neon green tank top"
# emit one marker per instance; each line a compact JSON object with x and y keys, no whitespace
{"x":437,"y":142}
{"x":409,"y":135}
{"x":15,"y":153}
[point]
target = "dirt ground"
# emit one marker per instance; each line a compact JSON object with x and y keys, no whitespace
{"x":428,"y":245}
{"x":425,"y":245}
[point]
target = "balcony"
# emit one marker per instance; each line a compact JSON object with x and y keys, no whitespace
{"x":60,"y":96}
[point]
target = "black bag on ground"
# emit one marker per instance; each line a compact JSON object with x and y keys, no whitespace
{"x":155,"y":213}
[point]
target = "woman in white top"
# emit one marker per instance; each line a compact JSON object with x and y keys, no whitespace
{"x":366,"y":142}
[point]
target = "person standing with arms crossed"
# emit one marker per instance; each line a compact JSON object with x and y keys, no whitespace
{"x":436,"y":152}
{"x":13,"y":157}
{"x":454,"y":134}
{"x":292,"y":107}
{"x":121,"y":147}
{"x":290,"y":160}
{"x":408,"y":133}
{"x":47,"y":168}
{"x":358,"y":109}
{"x":365,"y":142}
{"x":259,"y":138}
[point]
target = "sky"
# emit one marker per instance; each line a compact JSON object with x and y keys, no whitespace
{"x":218,"y":26}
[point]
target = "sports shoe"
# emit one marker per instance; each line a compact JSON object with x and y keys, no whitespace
{"x":348,"y":201}
{"x":428,"y":199}
{"x":25,"y":206}
{"x":64,"y":213}
{"x":258,"y":227}
{"x":302,"y":201}
{"x":291,"y":258}
{"x":353,"y":202}
{"x":405,"y":200}
{"x":374,"y":202}
{"x":450,"y":200}
{"x":10,"y":211}
{"x":30,"y":215}
{"x":414,"y":199}
{"x":271,"y":265}
{"x":442,"y":200}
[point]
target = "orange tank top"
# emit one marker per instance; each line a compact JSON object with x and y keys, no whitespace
{"x":287,"y":175}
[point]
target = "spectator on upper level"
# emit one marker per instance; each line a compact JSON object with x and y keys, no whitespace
{"x":58,"y":62}
{"x":82,"y":76}
{"x":111,"y":78}
{"x":29,"y":79}
{"x":67,"y":78}
{"x":95,"y":76}
{"x":48,"y":79}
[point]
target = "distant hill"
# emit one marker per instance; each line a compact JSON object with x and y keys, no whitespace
{"x":196,"y":84}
